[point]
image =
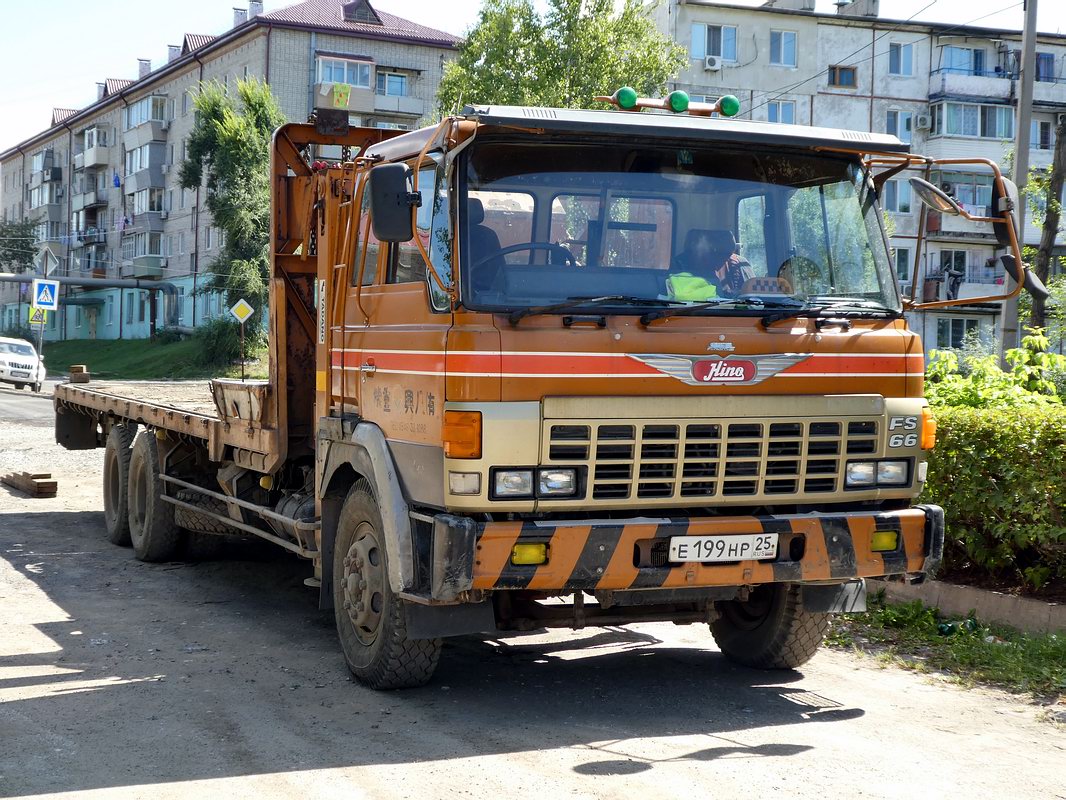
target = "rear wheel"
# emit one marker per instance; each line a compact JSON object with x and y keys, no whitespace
{"x":371,"y":623}
{"x":116,"y":483}
{"x":153,"y":532}
{"x":769,"y":630}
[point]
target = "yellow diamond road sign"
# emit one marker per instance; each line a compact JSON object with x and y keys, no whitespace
{"x":242,"y":310}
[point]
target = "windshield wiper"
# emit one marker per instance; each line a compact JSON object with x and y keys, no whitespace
{"x":844,"y":309}
{"x":688,"y":310}
{"x":573,"y":303}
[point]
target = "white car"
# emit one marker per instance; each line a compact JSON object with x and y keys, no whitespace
{"x":20,"y":364}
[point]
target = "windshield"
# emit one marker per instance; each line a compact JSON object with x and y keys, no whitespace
{"x":546,"y":224}
{"x":16,"y":349}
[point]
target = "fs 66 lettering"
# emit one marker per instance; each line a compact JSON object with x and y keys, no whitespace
{"x":903,"y":439}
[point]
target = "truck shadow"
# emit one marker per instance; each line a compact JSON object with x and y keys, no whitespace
{"x":129,"y":674}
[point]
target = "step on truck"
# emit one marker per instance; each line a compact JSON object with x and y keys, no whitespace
{"x":537,"y":367}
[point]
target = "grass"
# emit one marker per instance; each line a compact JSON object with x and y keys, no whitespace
{"x":141,"y":359}
{"x":917,"y":637}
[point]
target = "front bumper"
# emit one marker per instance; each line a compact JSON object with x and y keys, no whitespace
{"x":620,"y":554}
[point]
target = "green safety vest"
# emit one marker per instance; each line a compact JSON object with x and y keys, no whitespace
{"x":686,"y":286}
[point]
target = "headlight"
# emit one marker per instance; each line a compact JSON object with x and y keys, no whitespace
{"x":860,"y":473}
{"x":556,"y":482}
{"x":892,"y":473}
{"x":514,"y":483}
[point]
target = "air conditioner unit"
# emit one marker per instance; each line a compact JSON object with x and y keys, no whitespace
{"x":1060,"y":119}
{"x":923,"y":122}
{"x":165,"y":126}
{"x":163,"y":262}
{"x":165,"y":168}
{"x":712,"y":63}
{"x":164,"y":214}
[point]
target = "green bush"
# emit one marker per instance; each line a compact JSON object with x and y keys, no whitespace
{"x":1000,"y":474}
{"x":220,"y":341}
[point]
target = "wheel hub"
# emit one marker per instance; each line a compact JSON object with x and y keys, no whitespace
{"x":364,"y":584}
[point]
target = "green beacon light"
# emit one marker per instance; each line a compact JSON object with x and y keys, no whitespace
{"x":677,"y":101}
{"x":626,"y":98}
{"x":728,"y":105}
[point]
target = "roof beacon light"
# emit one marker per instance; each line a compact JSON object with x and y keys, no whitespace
{"x":677,"y":102}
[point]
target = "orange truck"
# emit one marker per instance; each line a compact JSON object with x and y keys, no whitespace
{"x":537,"y":367}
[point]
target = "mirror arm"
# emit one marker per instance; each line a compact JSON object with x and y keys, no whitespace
{"x":881,"y":177}
{"x":437,"y":134}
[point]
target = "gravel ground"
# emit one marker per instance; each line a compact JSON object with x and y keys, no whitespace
{"x":190,"y":680}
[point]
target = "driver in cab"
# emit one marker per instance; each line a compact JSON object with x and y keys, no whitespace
{"x":708,"y":267}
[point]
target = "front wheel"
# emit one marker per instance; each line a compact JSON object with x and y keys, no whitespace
{"x":769,"y":630}
{"x":371,"y":623}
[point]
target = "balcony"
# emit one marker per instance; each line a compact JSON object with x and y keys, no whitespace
{"x":46,"y":175}
{"x":327,"y":95}
{"x":151,"y":221}
{"x":395,"y":104}
{"x":150,"y":178}
{"x":144,"y":267}
{"x":948,"y":226}
{"x":92,"y":198}
{"x":92,"y":157}
{"x":49,"y":212}
{"x":151,"y":131}
{"x":962,"y":83}
{"x":88,"y":238}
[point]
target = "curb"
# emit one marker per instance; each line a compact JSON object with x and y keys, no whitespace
{"x":1031,"y":616}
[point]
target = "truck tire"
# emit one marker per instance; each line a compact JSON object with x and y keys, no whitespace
{"x":371,"y":623}
{"x":770,"y":630}
{"x":116,"y":483}
{"x":154,"y":534}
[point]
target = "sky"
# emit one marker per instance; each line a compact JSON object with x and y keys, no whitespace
{"x":104,"y":39}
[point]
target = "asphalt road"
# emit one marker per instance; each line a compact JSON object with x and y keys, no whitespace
{"x":19,"y":405}
{"x":221,"y":679}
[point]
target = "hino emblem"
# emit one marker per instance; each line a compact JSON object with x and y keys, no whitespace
{"x":721,"y":370}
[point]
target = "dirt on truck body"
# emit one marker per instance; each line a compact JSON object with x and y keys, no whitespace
{"x":540,"y":367}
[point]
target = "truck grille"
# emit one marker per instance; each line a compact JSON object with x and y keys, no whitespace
{"x":683,"y":460}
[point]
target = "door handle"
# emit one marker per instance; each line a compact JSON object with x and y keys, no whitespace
{"x":368,"y":368}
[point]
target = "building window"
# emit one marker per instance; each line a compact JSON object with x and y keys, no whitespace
{"x":209,"y":237}
{"x":390,"y":126}
{"x":147,"y":200}
{"x":142,"y":244}
{"x":901,"y":59}
{"x":77,"y":316}
{"x":336,"y":70}
{"x":110,"y":310}
{"x":897,"y":197}
{"x":973,"y":191}
{"x":392,"y":84}
{"x":181,"y":305}
{"x":783,"y":48}
{"x":1041,"y":135}
{"x":963,"y":60}
{"x":970,"y":119}
{"x":782,"y":111}
{"x":952,"y":333}
{"x":843,"y":77}
{"x":95,"y":137}
{"x":714,"y":40}
{"x":37,"y":160}
{"x":184,"y":104}
{"x":904,"y":266}
{"x":129,"y":308}
{"x":138,"y":158}
{"x":148,"y":109}
{"x":142,"y":302}
{"x":900,"y":124}
{"x":1045,"y":67}
{"x":45,"y":194}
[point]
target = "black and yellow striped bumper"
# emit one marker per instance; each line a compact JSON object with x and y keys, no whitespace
{"x":610,"y":554}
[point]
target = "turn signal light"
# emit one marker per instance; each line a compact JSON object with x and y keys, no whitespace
{"x":884,"y":541}
{"x":527,"y":554}
{"x":928,"y":429}
{"x":462,"y":434}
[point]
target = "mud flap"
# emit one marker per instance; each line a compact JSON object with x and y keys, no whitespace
{"x":76,"y":431}
{"x":838,"y":598}
{"x":452,"y":569}
{"x":433,"y":622}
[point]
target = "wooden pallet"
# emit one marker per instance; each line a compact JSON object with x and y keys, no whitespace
{"x":35,"y":484}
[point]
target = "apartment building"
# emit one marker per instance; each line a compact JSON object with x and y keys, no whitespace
{"x":101,"y":182}
{"x":948,"y":89}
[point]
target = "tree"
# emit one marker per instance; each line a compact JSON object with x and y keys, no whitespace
{"x":18,"y":246}
{"x":1050,"y":184}
{"x":229,"y":147}
{"x":576,"y":50}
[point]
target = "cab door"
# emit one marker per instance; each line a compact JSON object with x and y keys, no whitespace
{"x":398,"y":324}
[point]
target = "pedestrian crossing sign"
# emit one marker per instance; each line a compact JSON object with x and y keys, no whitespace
{"x":45,"y":294}
{"x":38,"y":316}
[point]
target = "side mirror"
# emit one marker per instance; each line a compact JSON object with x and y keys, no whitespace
{"x":935,"y":198}
{"x":391,"y":201}
{"x":1033,"y":284}
{"x":1005,"y":202}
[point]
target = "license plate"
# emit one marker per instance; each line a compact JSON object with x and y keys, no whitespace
{"x":19,"y":374}
{"x":742,"y":547}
